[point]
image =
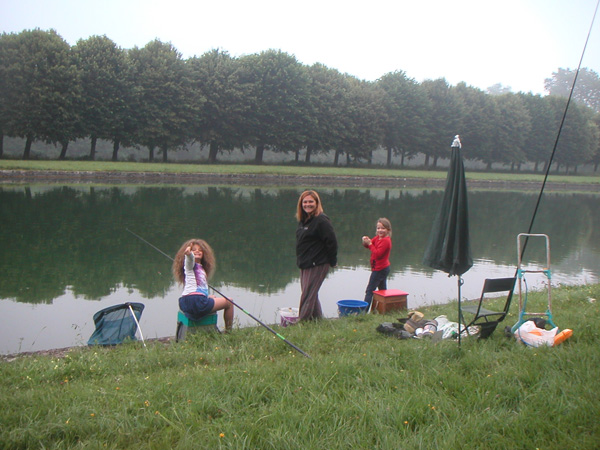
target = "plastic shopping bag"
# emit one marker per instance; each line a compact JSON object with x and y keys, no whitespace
{"x":533,"y":336}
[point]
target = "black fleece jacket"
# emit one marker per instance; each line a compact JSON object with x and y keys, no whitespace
{"x":316,"y":243}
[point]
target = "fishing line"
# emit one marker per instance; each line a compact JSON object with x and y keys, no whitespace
{"x":227,"y":298}
{"x":560,"y":129}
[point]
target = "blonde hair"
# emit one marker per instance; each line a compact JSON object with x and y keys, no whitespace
{"x":301,"y":215}
{"x":386,"y":224}
{"x":208,"y":259}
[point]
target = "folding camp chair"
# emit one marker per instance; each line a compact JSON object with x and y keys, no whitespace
{"x":484,"y":318}
{"x":116,"y":324}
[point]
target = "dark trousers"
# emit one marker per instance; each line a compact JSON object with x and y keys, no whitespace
{"x":378,"y":280}
{"x":310,"y":282}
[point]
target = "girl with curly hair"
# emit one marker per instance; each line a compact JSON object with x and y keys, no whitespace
{"x":193,"y":265}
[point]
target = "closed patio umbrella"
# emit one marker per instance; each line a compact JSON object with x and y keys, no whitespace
{"x":449,"y":248}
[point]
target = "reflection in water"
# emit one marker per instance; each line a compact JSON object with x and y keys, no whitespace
{"x":66,"y":253}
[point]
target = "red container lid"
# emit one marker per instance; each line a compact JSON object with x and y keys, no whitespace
{"x":390,"y":292}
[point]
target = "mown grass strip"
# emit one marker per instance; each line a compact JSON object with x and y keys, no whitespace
{"x":292,"y":170}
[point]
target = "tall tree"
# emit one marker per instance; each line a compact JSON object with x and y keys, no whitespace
{"x":445,"y":119}
{"x":544,"y":126}
{"x":106,"y":95}
{"x":406,"y":111}
{"x":328,"y":97}
{"x":511,"y":131}
{"x":362,"y":121}
{"x":44,"y":89}
{"x":161,"y":97}
{"x":595,"y":159}
{"x":498,"y":89}
{"x":587,"y":88}
{"x":279,"y":101}
{"x":480,"y":115}
{"x":9,"y":78}
{"x":578,"y":137}
{"x":218,"y":101}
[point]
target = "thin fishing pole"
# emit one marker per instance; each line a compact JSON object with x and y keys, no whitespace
{"x":263,"y":324}
{"x":560,"y":129}
{"x":228,"y":299}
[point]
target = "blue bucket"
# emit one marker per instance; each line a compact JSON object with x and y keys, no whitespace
{"x":352,"y":307}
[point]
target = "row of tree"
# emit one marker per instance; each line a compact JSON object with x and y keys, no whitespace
{"x":151,"y":98}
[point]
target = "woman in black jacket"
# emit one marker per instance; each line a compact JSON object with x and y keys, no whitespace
{"x":316,"y":252}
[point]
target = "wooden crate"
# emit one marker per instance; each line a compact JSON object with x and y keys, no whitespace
{"x":389,"y":300}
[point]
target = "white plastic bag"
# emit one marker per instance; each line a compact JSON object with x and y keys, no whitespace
{"x":450,"y":329}
{"x":533,"y":336}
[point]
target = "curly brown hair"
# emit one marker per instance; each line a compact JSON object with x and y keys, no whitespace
{"x":208,"y":259}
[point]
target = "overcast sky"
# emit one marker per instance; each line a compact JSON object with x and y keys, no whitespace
{"x":517,"y":43}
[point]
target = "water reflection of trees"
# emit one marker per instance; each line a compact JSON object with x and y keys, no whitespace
{"x":63,"y":238}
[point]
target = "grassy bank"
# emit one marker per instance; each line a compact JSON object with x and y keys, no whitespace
{"x":360,"y":389}
{"x":299,"y":170}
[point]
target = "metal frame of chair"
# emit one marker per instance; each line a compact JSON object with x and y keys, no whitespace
{"x":486,"y":319}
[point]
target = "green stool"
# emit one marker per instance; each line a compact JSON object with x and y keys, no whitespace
{"x":185,"y":325}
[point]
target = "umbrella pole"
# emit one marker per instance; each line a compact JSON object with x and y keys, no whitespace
{"x":460,"y":283}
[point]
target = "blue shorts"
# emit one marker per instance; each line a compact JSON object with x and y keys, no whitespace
{"x":196,"y":306}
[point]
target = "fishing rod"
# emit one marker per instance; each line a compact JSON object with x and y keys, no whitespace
{"x":227,"y":298}
{"x":562,"y":122}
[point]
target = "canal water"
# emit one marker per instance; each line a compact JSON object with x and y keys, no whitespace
{"x":65,"y":252}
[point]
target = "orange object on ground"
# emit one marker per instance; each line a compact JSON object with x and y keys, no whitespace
{"x":563,"y":336}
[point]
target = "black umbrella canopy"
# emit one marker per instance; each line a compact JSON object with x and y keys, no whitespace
{"x":449,"y":248}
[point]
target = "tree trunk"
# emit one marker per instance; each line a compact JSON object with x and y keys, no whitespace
{"x":27,"y":151}
{"x":297,"y":152}
{"x":489,"y":165}
{"x":309,"y":150}
{"x":426,"y":160}
{"x":93,"y":148}
{"x":164,"y":153}
{"x":116,"y":145}
{"x":212,"y":152}
{"x":435,"y":160}
{"x":258,"y":157}
{"x":389,"y":157}
{"x":535,"y":167}
{"x":63,"y":150}
{"x":402,"y":153}
{"x":336,"y":158}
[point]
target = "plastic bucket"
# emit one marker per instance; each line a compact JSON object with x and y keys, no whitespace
{"x":288,"y":316}
{"x":352,"y":307}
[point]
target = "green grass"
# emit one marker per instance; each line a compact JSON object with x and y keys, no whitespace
{"x":360,"y":389}
{"x":297,"y":170}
